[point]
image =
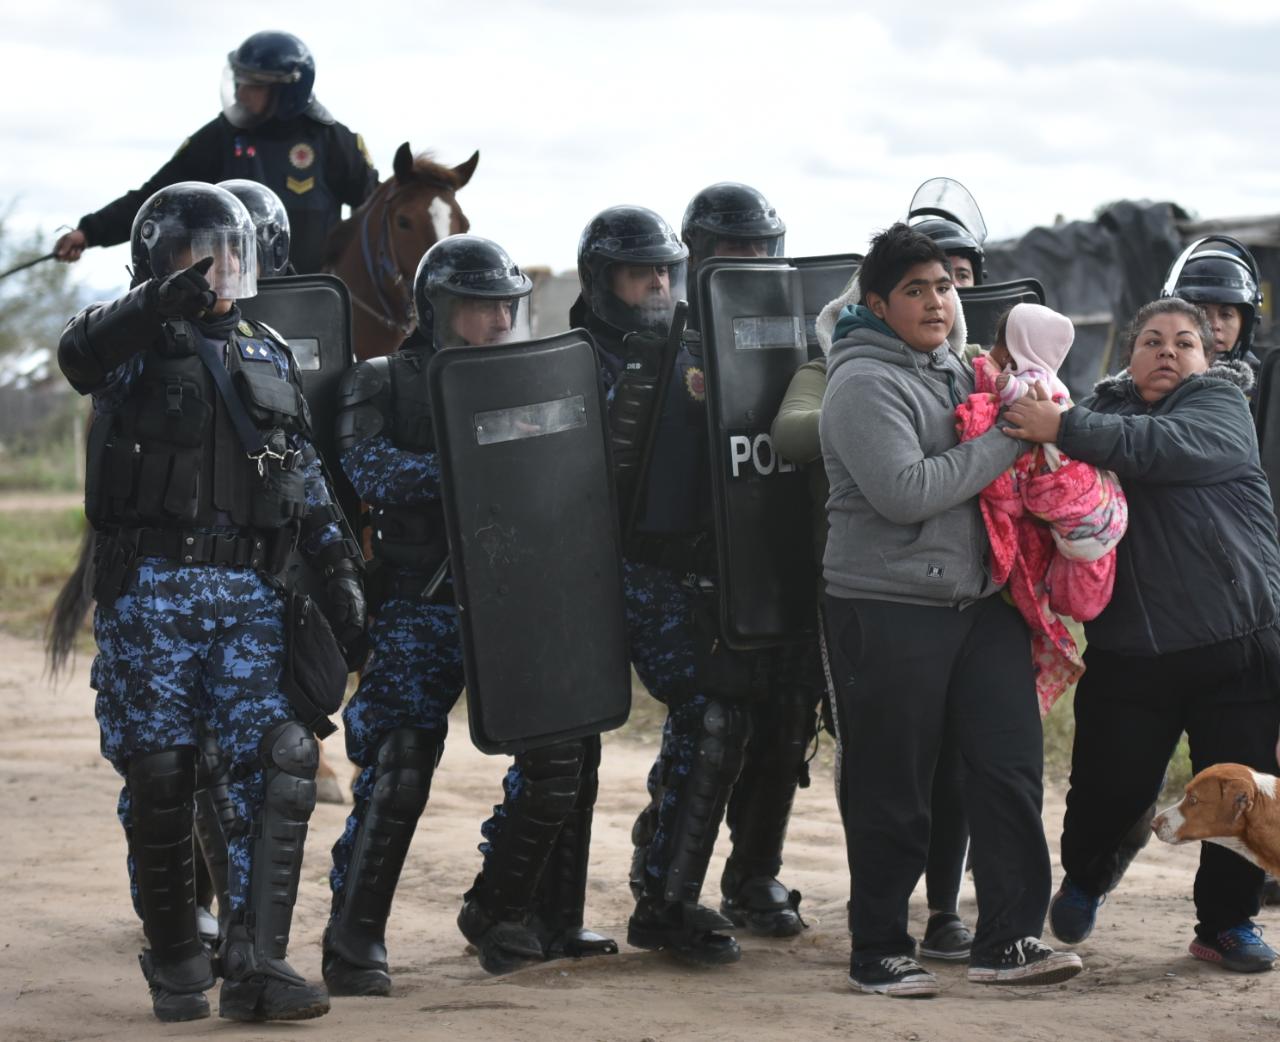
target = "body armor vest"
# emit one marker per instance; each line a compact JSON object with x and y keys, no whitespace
{"x":409,"y":537}
{"x":169,"y":457}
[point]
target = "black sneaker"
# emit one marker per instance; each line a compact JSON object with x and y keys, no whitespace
{"x":1240,"y":949}
{"x":1028,"y":961}
{"x":898,"y":976}
{"x":946,"y":937}
{"x":1072,"y":913}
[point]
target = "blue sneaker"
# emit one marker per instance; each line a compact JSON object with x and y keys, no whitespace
{"x":1240,"y":948}
{"x":1072,"y":913}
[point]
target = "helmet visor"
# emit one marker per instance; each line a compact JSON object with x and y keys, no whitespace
{"x":478,"y":321}
{"x":248,"y":99}
{"x":635,"y":297}
{"x":950,"y":200}
{"x":234,"y":274}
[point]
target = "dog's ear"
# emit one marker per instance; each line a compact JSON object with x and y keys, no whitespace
{"x":1239,"y":794}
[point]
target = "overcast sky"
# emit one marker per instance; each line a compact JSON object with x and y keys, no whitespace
{"x":1040,"y":108}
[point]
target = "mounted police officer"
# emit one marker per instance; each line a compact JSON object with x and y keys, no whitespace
{"x":735,"y":220}
{"x":192,"y":526}
{"x":467,"y":293}
{"x":271,"y":130}
{"x":632,"y":270}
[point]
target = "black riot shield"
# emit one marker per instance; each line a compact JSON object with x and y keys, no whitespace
{"x":823,"y":279}
{"x":531,"y":515}
{"x":313,"y":314}
{"x":1266,"y":404}
{"x":983,"y":305}
{"x":753,"y":316}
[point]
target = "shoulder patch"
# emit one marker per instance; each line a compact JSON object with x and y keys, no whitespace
{"x":255,"y":351}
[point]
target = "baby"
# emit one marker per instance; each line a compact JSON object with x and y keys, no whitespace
{"x":1032,"y":342}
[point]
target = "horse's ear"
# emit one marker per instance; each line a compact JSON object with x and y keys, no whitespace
{"x":403,"y":163}
{"x":465,"y":170}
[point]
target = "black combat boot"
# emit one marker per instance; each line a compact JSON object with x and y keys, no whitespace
{"x":667,"y":916}
{"x":562,"y":890}
{"x":258,"y":983}
{"x":176,"y":966}
{"x":355,"y":947}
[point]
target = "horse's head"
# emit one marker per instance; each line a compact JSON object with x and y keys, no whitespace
{"x":377,"y":251}
{"x":422,"y":207}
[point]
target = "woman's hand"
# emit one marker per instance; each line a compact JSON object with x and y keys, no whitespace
{"x":1034,"y":417}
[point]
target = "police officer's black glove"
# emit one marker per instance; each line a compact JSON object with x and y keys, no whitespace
{"x":186,"y":294}
{"x":345,"y":609}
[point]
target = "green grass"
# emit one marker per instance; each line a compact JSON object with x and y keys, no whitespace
{"x":51,"y":468}
{"x":37,"y":552}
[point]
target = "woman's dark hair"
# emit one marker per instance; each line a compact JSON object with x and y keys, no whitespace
{"x":893,"y":253}
{"x":1169,"y":306}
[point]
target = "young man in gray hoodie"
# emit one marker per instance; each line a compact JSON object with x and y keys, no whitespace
{"x":921,"y":647}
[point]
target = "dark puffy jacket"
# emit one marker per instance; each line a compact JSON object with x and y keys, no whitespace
{"x":1200,"y":563}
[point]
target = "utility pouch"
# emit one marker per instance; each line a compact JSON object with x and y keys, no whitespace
{"x":315,"y":674}
{"x":113,"y":560}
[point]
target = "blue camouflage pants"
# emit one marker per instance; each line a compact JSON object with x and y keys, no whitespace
{"x":413,"y":678}
{"x":672,"y":628}
{"x":186,"y":644}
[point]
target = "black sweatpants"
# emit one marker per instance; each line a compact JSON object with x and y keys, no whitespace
{"x":1130,"y":712}
{"x":905,"y":676}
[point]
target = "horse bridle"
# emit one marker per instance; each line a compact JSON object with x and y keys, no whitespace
{"x":380,"y":263}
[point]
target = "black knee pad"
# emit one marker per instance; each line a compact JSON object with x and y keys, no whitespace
{"x":212,"y":766}
{"x":552,"y":779}
{"x":407,"y":759}
{"x":291,"y":754}
{"x":725,"y":730}
{"x":162,"y":788}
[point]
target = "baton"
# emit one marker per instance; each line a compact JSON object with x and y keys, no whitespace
{"x":28,"y":264}
{"x":666,"y":367}
{"x":437,"y":580}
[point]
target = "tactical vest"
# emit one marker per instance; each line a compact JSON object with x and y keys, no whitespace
{"x":169,"y":457}
{"x":293,"y":161}
{"x":409,"y":537}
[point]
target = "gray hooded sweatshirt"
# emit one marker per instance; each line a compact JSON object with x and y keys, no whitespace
{"x":903,"y":511}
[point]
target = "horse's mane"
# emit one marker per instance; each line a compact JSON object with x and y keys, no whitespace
{"x":425,"y":171}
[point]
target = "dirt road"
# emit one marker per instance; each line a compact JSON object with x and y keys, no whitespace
{"x":69,"y":939}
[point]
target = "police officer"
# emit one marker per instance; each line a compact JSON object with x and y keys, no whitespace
{"x":467,"y":292}
{"x":192,"y":525}
{"x":1221,"y":276}
{"x":270,"y":223}
{"x":944,"y":210}
{"x":271,"y":130}
{"x":735,"y":220}
{"x":632,"y":271}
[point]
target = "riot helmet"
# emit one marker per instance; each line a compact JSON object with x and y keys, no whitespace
{"x":1218,"y":269}
{"x":732,"y":220}
{"x":632,"y":269}
{"x":270,"y":220}
{"x":947,"y":213}
{"x":191,"y":220}
{"x":278,"y":62}
{"x":468,"y":293}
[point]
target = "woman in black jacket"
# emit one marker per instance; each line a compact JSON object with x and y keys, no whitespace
{"x":1190,"y":639}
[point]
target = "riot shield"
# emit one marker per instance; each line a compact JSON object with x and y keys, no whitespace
{"x":1266,"y":403}
{"x":823,"y":279}
{"x":753,"y":317}
{"x":983,"y":305}
{"x":313,"y":313}
{"x":531,"y":515}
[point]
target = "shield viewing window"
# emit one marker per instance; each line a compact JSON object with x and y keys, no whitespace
{"x":531,"y":421}
{"x":768,"y":333}
{"x":306,"y":352}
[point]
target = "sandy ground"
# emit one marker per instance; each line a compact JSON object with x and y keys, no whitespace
{"x":68,"y":937}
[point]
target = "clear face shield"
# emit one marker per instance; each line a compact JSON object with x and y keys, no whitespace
{"x":234,"y":274}
{"x":950,"y":200}
{"x":478,"y":321}
{"x":247,"y":99}
{"x":640,"y":298}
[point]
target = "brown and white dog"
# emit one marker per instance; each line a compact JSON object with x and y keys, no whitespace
{"x":1233,"y":806}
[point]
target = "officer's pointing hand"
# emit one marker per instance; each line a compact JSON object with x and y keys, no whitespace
{"x":186,"y":294}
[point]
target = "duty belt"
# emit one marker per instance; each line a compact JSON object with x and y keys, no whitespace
{"x":262,"y":551}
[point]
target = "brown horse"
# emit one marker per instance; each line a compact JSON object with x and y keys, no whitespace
{"x":377,"y":249}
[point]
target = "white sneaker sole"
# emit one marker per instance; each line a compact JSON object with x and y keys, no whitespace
{"x":1054,"y":969}
{"x":911,"y":988}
